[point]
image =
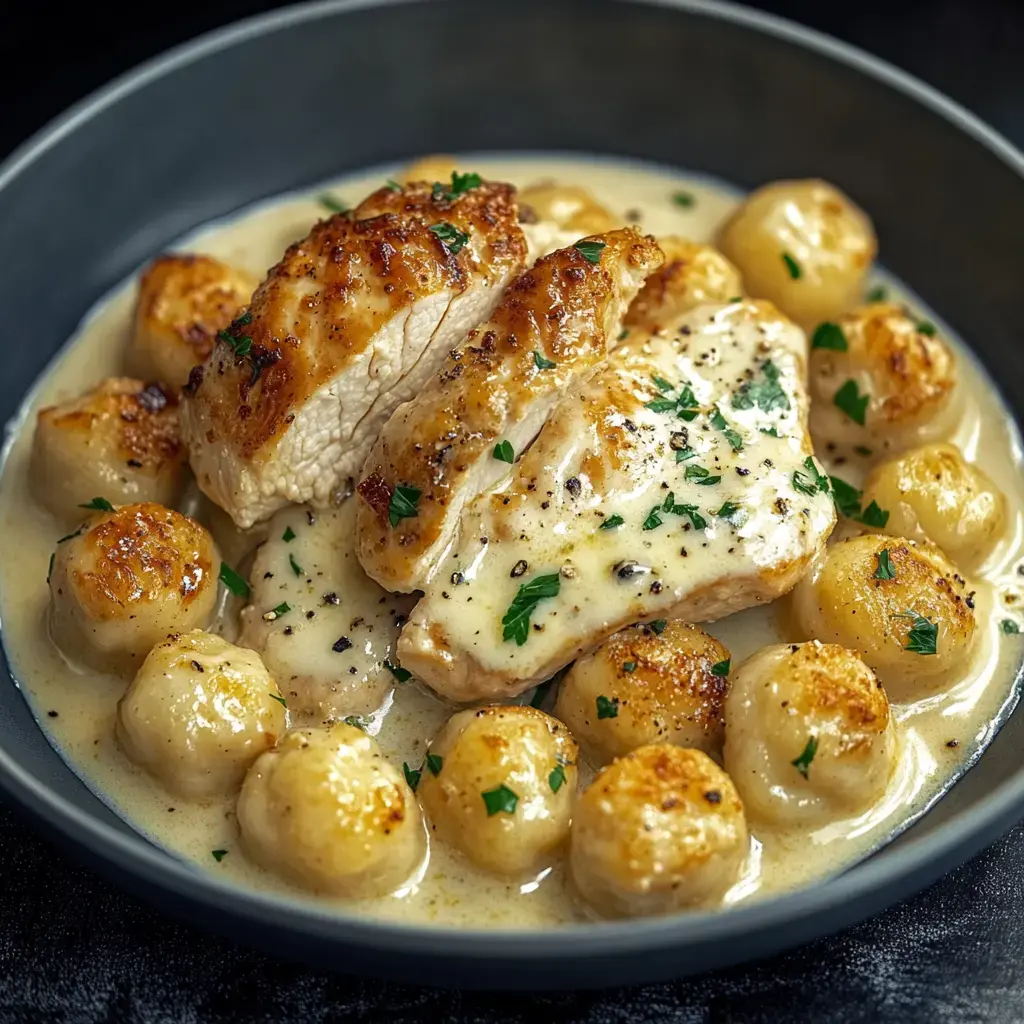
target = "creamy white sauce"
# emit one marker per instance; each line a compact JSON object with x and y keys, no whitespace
{"x":76,"y":707}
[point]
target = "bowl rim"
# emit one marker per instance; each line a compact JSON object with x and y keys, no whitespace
{"x":908,"y":867}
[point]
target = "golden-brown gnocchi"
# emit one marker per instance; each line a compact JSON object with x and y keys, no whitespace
{"x":808,"y":734}
{"x":802,"y":244}
{"x":325,"y":810}
{"x":885,"y":379}
{"x":119,"y":440}
{"x":569,"y":206}
{"x":898,"y":603}
{"x":933,"y":492}
{"x":692,"y":274}
{"x":640,"y":687}
{"x":499,"y":784}
{"x":198,"y":713}
{"x":126,"y":580}
{"x":184,"y":300}
{"x":658,"y":830}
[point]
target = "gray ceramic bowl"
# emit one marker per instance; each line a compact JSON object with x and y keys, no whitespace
{"x":288,"y":100}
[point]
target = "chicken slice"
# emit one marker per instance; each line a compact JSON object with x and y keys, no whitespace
{"x":678,"y":482}
{"x":326,"y":633}
{"x":497,"y":389}
{"x":350,"y":323}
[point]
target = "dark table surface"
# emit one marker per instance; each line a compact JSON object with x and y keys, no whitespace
{"x":73,"y":948}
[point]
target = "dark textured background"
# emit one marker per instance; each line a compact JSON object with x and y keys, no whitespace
{"x":75,"y":949}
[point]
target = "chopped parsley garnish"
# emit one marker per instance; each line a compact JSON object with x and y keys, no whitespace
{"x":450,"y":235}
{"x":296,"y":568}
{"x":653,"y":520}
{"x":877,"y":294}
{"x":236,"y":583}
{"x":685,"y":454}
{"x":403,"y":675}
{"x":218,"y":855}
{"x":403,"y":504}
{"x":770,"y":431}
{"x":923,"y":635}
{"x":792,"y":266}
{"x":848,"y":502}
{"x":684,"y":405}
{"x":657,"y":627}
{"x":612,"y":522}
{"x":501,"y":800}
{"x":504,"y":452}
{"x":623,"y":334}
{"x":1009,"y":626}
{"x":99,"y":505}
{"x":355,"y":721}
{"x":330,"y":203}
{"x":629,"y":666}
{"x":829,"y":335}
{"x":516,"y":621}
{"x":768,"y":394}
{"x":813,"y":481}
{"x":849,"y":399}
{"x":280,"y":700}
{"x":412,"y":776}
{"x":542,"y":363}
{"x":240,"y":346}
{"x":275,"y":613}
{"x":288,"y":536}
{"x":926,"y":327}
{"x":393,"y":185}
{"x":684,"y":199}
{"x":862,"y":450}
{"x":434,"y":764}
{"x":460,"y":183}
{"x":663,"y":385}
{"x":732,"y":513}
{"x":721,"y":668}
{"x":719,"y":422}
{"x":607,"y":707}
{"x":71,"y":536}
{"x":49,"y":572}
{"x":885,"y":569}
{"x":556,"y":778}
{"x":670,"y":505}
{"x":700,"y":476}
{"x":590,"y":251}
{"x":803,"y":763}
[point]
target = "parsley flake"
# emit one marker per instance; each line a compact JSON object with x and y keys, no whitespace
{"x":355,"y":721}
{"x":218,"y":855}
{"x":296,"y":568}
{"x":848,"y":500}
{"x":280,"y":700}
{"x":792,"y":266}
{"x":923,"y":636}
{"x":684,"y":199}
{"x":556,"y":778}
{"x":607,"y":707}
{"x":803,"y":763}
{"x":451,"y":237}
{"x":434,"y":764}
{"x":653,"y":520}
{"x":460,"y":183}
{"x":813,"y":481}
{"x":516,"y":621}
{"x":662,"y":385}
{"x":542,"y":363}
{"x":657,"y":627}
{"x":629,"y":666}
{"x":732,"y":513}
{"x":590,"y":251}
{"x":718,"y":421}
{"x":504,"y":452}
{"x":926,"y":327}
{"x":412,"y":776}
{"x":885,"y":569}
{"x":768,"y":395}
{"x":700,"y":476}
{"x":501,"y":800}
{"x":721,"y":668}
{"x":830,"y":336}
{"x":393,"y":185}
{"x":98,"y":505}
{"x":403,"y":675}
{"x":612,"y":522}
{"x":288,"y":536}
{"x":403,"y":504}
{"x":236,"y":583}
{"x":1009,"y":626}
{"x":330,"y":203}
{"x":849,"y":399}
{"x":685,"y":454}
{"x":877,"y":294}
{"x":275,"y":613}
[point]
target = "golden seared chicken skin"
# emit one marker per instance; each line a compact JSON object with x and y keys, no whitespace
{"x":350,"y":323}
{"x":127,"y":579}
{"x":692,"y":275}
{"x":677,"y":482}
{"x":119,"y":441}
{"x":462,"y":434}
{"x":658,"y":830}
{"x":184,"y":301}
{"x":661,"y":684}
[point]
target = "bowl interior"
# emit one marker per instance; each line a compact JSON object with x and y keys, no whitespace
{"x":307,"y":94}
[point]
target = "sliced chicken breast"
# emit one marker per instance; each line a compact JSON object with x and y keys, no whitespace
{"x":462,"y":433}
{"x":349,"y":324}
{"x":678,"y":482}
